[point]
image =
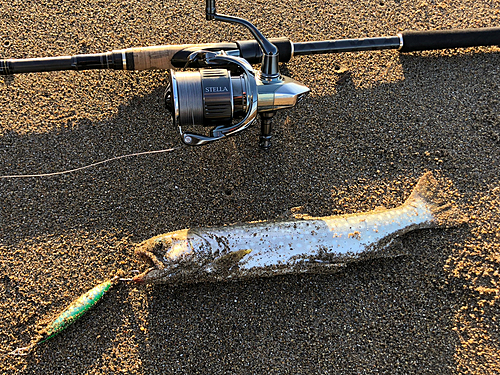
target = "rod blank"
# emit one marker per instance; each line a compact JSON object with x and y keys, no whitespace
{"x":346,"y":45}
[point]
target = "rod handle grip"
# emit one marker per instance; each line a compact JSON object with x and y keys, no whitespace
{"x":155,"y":57}
{"x":454,"y":38}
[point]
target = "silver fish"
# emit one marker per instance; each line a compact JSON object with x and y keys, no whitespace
{"x":309,"y":244}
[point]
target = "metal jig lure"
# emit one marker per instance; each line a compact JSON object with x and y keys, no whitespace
{"x":72,"y":313}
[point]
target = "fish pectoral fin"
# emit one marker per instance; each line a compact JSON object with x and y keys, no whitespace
{"x":232,"y":258}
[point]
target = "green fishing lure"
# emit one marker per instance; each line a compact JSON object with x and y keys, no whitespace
{"x":72,"y":313}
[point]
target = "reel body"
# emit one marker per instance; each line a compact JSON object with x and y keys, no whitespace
{"x":227,"y":95}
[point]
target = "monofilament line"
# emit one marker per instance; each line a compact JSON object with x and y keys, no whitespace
{"x":87,"y":166}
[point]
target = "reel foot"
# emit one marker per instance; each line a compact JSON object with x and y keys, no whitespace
{"x":265,"y":130}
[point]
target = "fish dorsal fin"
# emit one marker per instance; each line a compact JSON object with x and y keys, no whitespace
{"x":303,"y":217}
{"x":298,"y":214}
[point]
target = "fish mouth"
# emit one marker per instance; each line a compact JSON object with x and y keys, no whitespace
{"x":155,"y":274}
{"x":142,"y":278}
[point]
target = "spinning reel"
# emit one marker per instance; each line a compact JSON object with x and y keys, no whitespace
{"x":226,"y":93}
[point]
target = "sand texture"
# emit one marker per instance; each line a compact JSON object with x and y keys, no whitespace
{"x":373,"y":124}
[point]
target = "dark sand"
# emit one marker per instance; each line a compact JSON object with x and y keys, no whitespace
{"x":373,"y":124}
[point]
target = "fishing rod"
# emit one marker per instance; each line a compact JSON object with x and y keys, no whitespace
{"x":221,"y":90}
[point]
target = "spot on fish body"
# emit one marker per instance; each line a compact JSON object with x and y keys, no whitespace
{"x":356,"y":235}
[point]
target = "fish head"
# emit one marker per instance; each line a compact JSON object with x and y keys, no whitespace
{"x":171,"y":255}
{"x":168,"y":246}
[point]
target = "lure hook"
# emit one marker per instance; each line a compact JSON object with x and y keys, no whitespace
{"x":23,"y":351}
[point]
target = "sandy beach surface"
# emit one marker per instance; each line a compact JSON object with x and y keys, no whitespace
{"x":372,"y":125}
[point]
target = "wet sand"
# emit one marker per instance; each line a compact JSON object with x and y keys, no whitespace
{"x":373,"y":124}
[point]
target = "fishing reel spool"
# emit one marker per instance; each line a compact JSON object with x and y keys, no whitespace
{"x":226,"y":93}
{"x":215,"y":96}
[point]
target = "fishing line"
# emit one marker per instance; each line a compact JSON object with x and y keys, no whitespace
{"x":88,"y":166}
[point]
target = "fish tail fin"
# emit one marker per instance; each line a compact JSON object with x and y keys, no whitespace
{"x":440,"y":198}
